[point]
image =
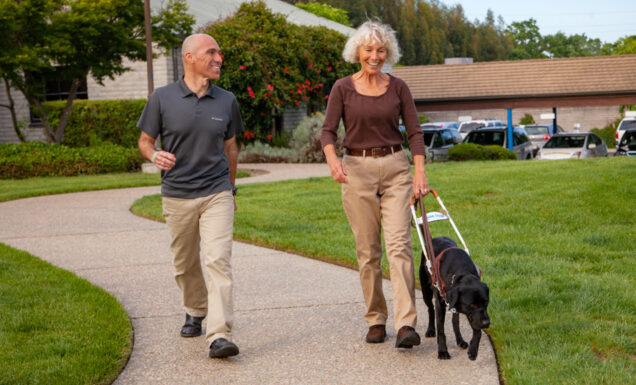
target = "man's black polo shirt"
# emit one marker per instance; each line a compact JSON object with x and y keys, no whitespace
{"x":194,"y":130}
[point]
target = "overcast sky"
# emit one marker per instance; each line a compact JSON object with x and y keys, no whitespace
{"x":607,"y":20}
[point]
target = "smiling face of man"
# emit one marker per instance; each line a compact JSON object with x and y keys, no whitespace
{"x":203,"y":55}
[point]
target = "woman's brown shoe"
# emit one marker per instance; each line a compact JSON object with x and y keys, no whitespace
{"x":376,"y":334}
{"x":407,"y":337}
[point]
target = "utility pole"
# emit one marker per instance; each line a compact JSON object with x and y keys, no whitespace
{"x":147,"y":19}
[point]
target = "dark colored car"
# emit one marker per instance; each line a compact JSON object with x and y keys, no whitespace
{"x":627,"y":144}
{"x":468,"y":126}
{"x":521,"y":145}
{"x":438,"y":141}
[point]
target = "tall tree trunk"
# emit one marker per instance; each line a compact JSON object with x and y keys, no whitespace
{"x":11,"y":107}
{"x":35,"y":102}
{"x":59,"y":133}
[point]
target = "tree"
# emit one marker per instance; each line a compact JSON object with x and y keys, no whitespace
{"x":69,"y":39}
{"x":560,"y":45}
{"x":623,"y":46}
{"x":270,"y":64}
{"x":172,"y":24}
{"x":527,"y":42}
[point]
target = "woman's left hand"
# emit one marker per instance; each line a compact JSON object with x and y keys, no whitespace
{"x":420,"y":184}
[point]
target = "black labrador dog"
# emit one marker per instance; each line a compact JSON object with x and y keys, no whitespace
{"x":464,"y":291}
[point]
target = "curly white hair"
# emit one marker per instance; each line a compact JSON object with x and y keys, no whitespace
{"x":370,"y":32}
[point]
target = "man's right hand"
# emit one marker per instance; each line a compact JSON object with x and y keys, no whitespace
{"x":164,"y":160}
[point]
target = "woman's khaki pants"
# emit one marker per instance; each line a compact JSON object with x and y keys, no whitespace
{"x":376,"y":196}
{"x":205,"y":221}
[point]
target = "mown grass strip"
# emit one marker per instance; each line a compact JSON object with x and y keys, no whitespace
{"x":23,"y":188}
{"x":57,"y":328}
{"x":555,"y":240}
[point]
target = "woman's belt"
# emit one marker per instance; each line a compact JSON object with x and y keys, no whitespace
{"x":376,"y":152}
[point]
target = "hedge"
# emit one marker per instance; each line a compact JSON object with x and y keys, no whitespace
{"x":93,"y":122}
{"x":471,"y":151}
{"x":33,"y":159}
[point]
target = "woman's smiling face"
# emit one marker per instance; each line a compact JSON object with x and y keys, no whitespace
{"x":372,"y":55}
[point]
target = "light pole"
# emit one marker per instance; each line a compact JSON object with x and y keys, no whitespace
{"x":151,"y":86}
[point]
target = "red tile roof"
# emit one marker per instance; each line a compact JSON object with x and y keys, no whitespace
{"x":595,"y":75}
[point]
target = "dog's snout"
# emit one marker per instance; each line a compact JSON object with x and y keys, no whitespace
{"x":485,"y":324}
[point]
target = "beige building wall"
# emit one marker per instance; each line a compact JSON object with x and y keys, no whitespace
{"x":133,"y":84}
{"x":587,"y":117}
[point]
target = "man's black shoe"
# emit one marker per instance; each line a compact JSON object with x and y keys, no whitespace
{"x":192,"y":326}
{"x":222,"y":348}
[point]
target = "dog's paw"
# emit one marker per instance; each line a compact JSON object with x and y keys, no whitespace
{"x":443,"y":355}
{"x":430,"y":333}
{"x":472,"y":355}
{"x":462,"y":344}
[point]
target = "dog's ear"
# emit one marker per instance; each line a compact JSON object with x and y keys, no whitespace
{"x":485,"y":290}
{"x":451,"y":296}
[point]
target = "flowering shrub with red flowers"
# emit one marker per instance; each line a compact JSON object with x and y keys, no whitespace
{"x":271,"y":65}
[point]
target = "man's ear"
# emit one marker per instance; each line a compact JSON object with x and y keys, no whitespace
{"x":451,"y":297}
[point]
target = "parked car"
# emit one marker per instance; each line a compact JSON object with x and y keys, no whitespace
{"x":573,"y":145}
{"x":438,"y":140}
{"x":627,"y":145}
{"x":468,"y":126}
{"x":454,"y":125}
{"x":628,"y":122}
{"x":540,"y":133}
{"x":521,"y":144}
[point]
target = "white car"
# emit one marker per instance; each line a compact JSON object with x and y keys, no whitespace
{"x":573,"y":145}
{"x":628,"y":122}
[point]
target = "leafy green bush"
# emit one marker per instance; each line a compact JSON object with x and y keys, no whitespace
{"x":471,"y":151}
{"x":608,"y":134}
{"x":32,"y":159}
{"x":93,"y":122}
{"x":305,"y":146}
{"x":259,"y":152}
{"x":305,"y":139}
{"x":327,"y":11}
{"x":527,"y":119}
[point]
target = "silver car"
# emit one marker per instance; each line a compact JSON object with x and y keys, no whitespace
{"x":438,"y":141}
{"x":540,"y":133}
{"x":521,"y":145}
{"x":573,"y":145}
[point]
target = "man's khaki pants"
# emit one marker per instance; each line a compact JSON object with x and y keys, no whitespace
{"x":206,"y":221}
{"x":376,"y":196}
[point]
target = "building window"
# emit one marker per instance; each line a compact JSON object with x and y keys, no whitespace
{"x":55,"y":86}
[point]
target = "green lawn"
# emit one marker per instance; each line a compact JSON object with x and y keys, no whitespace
{"x":22,"y":188}
{"x":555,"y":240}
{"x":57,"y":328}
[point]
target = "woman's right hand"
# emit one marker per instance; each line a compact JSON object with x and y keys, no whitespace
{"x":338,"y":171}
{"x":336,"y":167}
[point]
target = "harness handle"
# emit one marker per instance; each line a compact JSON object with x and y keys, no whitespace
{"x":428,"y":245}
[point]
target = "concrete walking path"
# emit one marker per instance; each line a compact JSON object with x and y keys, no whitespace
{"x":297,"y":320}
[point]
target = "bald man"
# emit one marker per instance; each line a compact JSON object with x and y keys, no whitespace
{"x":198,"y":123}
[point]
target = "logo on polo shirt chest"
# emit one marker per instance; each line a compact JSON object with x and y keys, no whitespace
{"x":216,"y":119}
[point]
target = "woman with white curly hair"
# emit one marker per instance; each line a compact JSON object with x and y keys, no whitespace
{"x":375,"y":175}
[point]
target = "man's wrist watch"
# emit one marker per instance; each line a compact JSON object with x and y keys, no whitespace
{"x":234,"y":190}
